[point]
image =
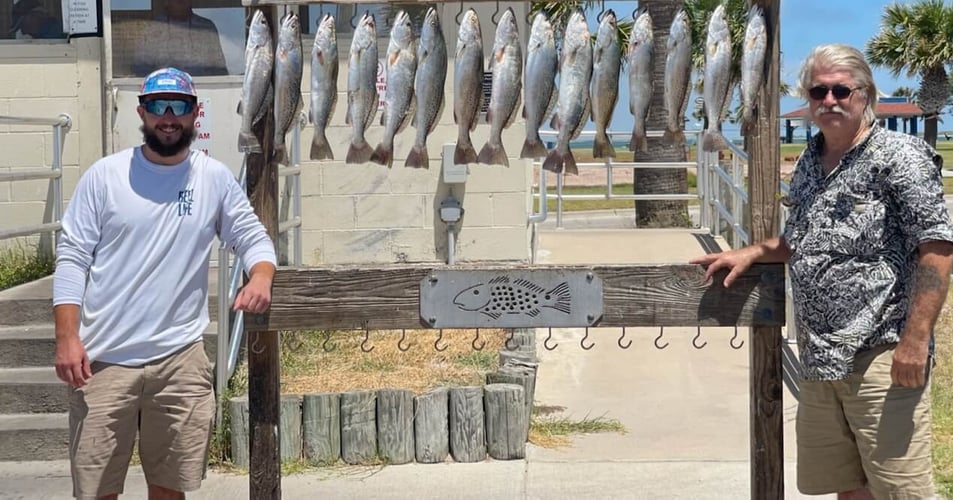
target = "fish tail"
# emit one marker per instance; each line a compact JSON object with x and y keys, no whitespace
{"x":418,"y":157}
{"x":493,"y":154}
{"x":383,"y":155}
{"x":359,"y":153}
{"x":464,"y":153}
{"x":561,"y":297}
{"x":747,"y":123}
{"x":673,"y":136}
{"x":280,"y":155}
{"x":320,"y":149}
{"x":569,"y":163}
{"x":714,"y":141}
{"x":602,"y":146}
{"x":639,"y":141}
{"x":248,"y":143}
{"x":533,"y":148}
{"x":554,"y":161}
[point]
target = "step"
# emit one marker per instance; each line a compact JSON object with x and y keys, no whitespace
{"x":33,"y":345}
{"x":25,"y":437}
{"x":32,"y":390}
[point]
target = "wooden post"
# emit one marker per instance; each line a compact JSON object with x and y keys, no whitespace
{"x":766,"y":423}
{"x":264,"y":478}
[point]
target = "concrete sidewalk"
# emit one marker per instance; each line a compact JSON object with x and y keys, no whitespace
{"x":685,"y":411}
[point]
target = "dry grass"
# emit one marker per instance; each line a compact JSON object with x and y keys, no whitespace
{"x":942,"y":394}
{"x":306,"y":367}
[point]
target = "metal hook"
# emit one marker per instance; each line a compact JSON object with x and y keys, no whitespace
{"x":459,"y":14}
{"x":582,"y":343}
{"x":602,"y":13}
{"x":367,"y":336}
{"x":400,"y":343}
{"x":695,"y":340}
{"x":661,"y":331}
{"x":327,"y":340}
{"x":509,"y":339}
{"x":628,"y":344}
{"x":735,"y":337}
{"x":474,"y":343}
{"x":436,"y":342}
{"x":549,"y":339}
{"x":353,"y":17}
{"x":496,"y":14}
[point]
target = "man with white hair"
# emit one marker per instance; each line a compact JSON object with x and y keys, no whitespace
{"x":868,"y":244}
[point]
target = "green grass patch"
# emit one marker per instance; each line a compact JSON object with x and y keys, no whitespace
{"x":601,"y":204}
{"x":21,"y":264}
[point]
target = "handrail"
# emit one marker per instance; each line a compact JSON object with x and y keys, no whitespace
{"x":61,"y":126}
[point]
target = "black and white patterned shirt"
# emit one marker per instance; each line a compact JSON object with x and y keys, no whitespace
{"x":853,"y":237}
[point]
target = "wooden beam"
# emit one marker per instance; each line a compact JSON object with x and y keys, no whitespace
{"x":260,"y":3}
{"x":638,"y":295}
{"x":264,"y":389}
{"x":766,"y":382}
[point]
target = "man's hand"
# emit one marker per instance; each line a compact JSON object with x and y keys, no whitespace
{"x":72,"y":364}
{"x":255,"y":296}
{"x":736,"y":261}
{"x":910,"y":362}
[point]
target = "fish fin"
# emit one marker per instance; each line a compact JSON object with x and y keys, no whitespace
{"x":269,"y":97}
{"x":239,"y":110}
{"x":602,"y":146}
{"x":533,"y":148}
{"x":334,"y":104}
{"x":489,"y":115}
{"x":569,"y":163}
{"x":248,"y":143}
{"x":554,"y":161}
{"x":350,"y":102}
{"x":639,"y":142}
{"x":383,"y":116}
{"x":493,"y":154}
{"x":464,"y":153}
{"x":320,"y":149}
{"x":554,"y":123}
{"x":359,"y":153}
{"x":439,"y":114}
{"x":714,"y":141}
{"x":562,"y":298}
{"x":418,"y":157}
{"x":411,"y":112}
{"x":383,"y":155}
{"x":524,"y":112}
{"x":512,"y":117}
{"x":551,"y":106}
{"x":582,"y":121}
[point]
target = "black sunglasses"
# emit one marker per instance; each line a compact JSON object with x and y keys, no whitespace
{"x":159,"y":107}
{"x":840,"y":91}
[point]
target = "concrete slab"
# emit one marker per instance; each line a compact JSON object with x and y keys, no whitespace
{"x":615,"y":246}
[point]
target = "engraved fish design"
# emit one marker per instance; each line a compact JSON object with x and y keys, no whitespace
{"x":502,"y":296}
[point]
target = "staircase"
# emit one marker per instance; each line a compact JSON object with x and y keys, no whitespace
{"x":33,"y":401}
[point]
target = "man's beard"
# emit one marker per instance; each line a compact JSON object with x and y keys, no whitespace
{"x":165,"y":150}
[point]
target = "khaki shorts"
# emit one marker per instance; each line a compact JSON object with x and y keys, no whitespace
{"x":169,"y":402}
{"x":864,"y":431}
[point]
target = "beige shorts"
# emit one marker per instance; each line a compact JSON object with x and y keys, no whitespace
{"x":169,"y":402}
{"x":864,"y":431}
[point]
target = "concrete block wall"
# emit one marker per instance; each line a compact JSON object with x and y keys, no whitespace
{"x":44,"y":80}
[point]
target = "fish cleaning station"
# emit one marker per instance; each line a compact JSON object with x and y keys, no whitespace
{"x":476,"y":292}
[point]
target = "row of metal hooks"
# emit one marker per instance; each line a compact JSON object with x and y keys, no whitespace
{"x":478,"y":344}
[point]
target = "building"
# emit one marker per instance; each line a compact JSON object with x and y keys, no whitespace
{"x":891,"y":112}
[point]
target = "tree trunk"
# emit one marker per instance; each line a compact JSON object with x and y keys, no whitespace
{"x":660,"y":181}
{"x":930,"y":130}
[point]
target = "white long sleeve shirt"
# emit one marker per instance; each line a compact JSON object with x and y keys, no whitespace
{"x":134,"y":252}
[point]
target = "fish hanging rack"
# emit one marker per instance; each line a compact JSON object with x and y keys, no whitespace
{"x":478,"y":342}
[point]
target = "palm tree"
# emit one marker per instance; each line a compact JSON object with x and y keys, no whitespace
{"x":917,"y":39}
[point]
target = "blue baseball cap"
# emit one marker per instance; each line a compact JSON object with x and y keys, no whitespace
{"x":168,"y":81}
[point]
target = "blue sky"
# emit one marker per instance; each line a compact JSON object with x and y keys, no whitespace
{"x":804,"y":24}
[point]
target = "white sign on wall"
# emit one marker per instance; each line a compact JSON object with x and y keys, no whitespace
{"x":203,"y":126}
{"x":81,"y":17}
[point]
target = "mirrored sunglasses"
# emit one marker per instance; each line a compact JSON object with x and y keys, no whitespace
{"x":840,"y":91}
{"x":159,"y":107}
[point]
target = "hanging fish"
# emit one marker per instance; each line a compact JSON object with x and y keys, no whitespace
{"x":678,"y":72}
{"x":467,"y":85}
{"x":752,"y":66}
{"x":401,"y":66}
{"x":288,"y":66}
{"x":641,"y":67}
{"x":431,"y":75}
{"x":506,"y":63}
{"x":324,"y":86}
{"x":361,"y":88}
{"x":257,"y":89}
{"x":606,"y":66}
{"x":539,"y":94}
{"x":717,"y":78}
{"x":575,"y":72}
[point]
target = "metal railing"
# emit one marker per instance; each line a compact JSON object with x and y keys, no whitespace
{"x":61,"y":126}
{"x":230,"y":334}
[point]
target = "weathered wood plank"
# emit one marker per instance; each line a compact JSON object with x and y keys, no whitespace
{"x":467,"y":431}
{"x":358,"y":427}
{"x":321,"y":427}
{"x":290,"y":429}
{"x":523,"y":376}
{"x":395,"y":425}
{"x":636,"y":295}
{"x":506,"y":421}
{"x":238,"y":417}
{"x":766,"y":374}
{"x":431,"y":426}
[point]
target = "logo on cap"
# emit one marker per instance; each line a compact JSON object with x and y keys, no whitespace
{"x":168,"y":81}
